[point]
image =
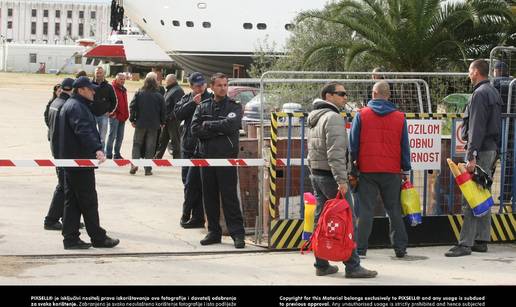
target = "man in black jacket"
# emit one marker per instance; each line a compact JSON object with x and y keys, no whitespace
{"x":193,"y":212}
{"x":79,"y":139}
{"x":171,"y":130}
{"x":216,"y":122}
{"x":104,"y":103}
{"x":481,"y":130}
{"x":55,"y":212}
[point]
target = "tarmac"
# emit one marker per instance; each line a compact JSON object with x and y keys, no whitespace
{"x":144,"y":211}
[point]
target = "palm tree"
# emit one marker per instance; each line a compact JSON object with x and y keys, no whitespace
{"x":415,"y":35}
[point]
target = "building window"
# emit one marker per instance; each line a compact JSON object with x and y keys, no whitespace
{"x":78,"y":59}
{"x":33,"y":28}
{"x":9,"y":12}
{"x":9,"y":25}
{"x":162,"y":22}
{"x":206,"y":24}
{"x":69,"y":29}
{"x":33,"y":58}
{"x":261,"y":26}
{"x":93,"y":15}
{"x":248,"y":26}
{"x":45,"y":28}
{"x":69,"y":14}
{"x":58,"y":14}
{"x":189,"y":24}
{"x":81,"y":29}
{"x":92,"y":32}
{"x":81,"y":14}
{"x":45,"y":13}
{"x":34,"y":13}
{"x":57,"y":30}
{"x":176,"y":23}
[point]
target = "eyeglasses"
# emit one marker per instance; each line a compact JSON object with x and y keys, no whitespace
{"x":341,"y":94}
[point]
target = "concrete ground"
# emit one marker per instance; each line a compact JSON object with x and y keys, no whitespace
{"x":144,"y":213}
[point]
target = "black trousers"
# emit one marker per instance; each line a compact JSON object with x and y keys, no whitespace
{"x":192,"y":205}
{"x":55,"y":212}
{"x":169,"y":133}
{"x":144,"y":144}
{"x":221,"y":183}
{"x":81,"y":198}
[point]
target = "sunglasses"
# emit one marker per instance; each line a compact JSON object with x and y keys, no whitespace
{"x":341,"y":94}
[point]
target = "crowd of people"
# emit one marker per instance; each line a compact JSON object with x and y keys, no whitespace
{"x":376,"y":155}
{"x":86,"y":120}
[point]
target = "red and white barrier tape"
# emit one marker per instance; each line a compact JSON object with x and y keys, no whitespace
{"x":143,"y":162}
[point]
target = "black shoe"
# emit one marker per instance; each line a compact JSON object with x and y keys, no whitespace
{"x":458,"y":251}
{"x":106,"y":243}
{"x":330,"y":269}
{"x":361,"y":252}
{"x":211,"y":238}
{"x":184,"y":219}
{"x":400,"y":253}
{"x":133,"y":170}
{"x":193,"y":224}
{"x":479,"y":247}
{"x":79,"y":244}
{"x":148,"y":173}
{"x":239,"y":241}
{"x":361,"y":272}
{"x":56,"y":226}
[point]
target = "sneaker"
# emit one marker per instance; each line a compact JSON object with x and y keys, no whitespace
{"x":184,"y":219}
{"x":211,"y":238}
{"x":400,"y":253}
{"x":361,"y":272}
{"x":133,"y":170}
{"x":106,"y":243}
{"x":193,"y":224}
{"x":239,"y":242}
{"x":79,"y":244}
{"x":479,"y":247}
{"x":330,"y":269}
{"x":56,"y":226}
{"x":458,"y":251}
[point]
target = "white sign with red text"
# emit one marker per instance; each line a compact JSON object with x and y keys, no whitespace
{"x":425,"y":144}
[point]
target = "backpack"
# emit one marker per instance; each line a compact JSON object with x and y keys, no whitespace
{"x":333,"y":239}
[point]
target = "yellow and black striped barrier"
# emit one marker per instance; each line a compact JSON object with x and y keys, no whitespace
{"x":503,"y":227}
{"x":286,"y":234}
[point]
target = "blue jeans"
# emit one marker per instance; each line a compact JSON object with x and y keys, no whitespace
{"x":116,"y":135}
{"x":102,"y":125}
{"x":325,"y":187}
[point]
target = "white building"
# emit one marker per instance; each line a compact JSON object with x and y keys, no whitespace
{"x":54,"y":21}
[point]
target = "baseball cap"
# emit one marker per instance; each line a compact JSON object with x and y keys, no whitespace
{"x":84,"y":82}
{"x":501,"y":65}
{"x":197,"y":78}
{"x":67,"y":84}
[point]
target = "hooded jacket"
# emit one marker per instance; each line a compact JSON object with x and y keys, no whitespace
{"x":122,"y":108}
{"x":383,"y":138}
{"x":327,"y":141}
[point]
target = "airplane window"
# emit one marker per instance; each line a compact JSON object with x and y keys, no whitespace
{"x":206,"y":24}
{"x":248,"y":26}
{"x":289,"y":26}
{"x":144,"y":20}
{"x":261,"y":26}
{"x":176,"y":23}
{"x":162,"y":22}
{"x":189,"y":24}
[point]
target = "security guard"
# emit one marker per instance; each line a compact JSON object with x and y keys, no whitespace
{"x":55,"y":212}
{"x":216,"y":122}
{"x":79,"y":139}
{"x":193,"y":212}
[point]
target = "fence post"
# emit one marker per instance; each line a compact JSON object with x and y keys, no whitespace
{"x":302,"y":179}
{"x":289,"y":153}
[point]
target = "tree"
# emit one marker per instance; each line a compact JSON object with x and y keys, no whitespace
{"x":411,"y":35}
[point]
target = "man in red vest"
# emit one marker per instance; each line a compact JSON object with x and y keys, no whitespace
{"x":380,"y":148}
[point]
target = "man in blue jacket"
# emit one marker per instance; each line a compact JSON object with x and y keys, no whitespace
{"x":80,"y":139}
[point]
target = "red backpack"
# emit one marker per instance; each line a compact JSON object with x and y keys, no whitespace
{"x":333,"y":239}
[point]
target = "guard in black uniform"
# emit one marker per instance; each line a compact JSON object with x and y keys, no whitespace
{"x":80,"y":139}
{"x":55,"y":212}
{"x":193,"y":211}
{"x":216,"y":122}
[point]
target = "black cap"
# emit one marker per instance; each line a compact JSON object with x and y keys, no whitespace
{"x":501,"y":65}
{"x":84,"y":82}
{"x":197,"y":78}
{"x":67,"y":84}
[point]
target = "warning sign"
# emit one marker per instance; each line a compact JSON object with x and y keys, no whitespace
{"x":459,"y":148}
{"x":425,"y":144}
